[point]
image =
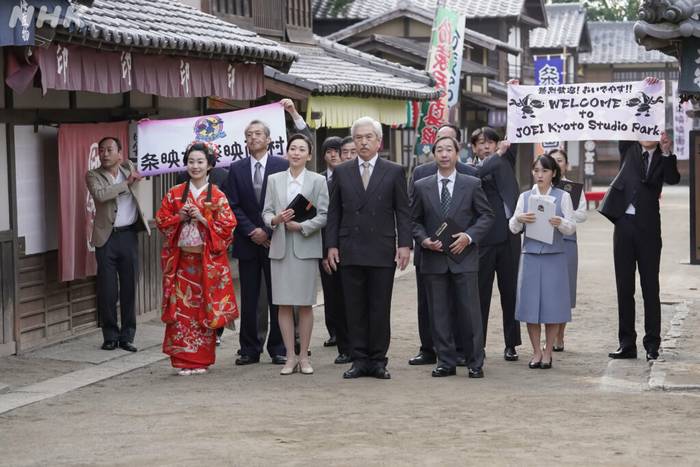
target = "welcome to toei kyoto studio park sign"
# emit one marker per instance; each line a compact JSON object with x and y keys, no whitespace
{"x":593,"y":111}
{"x":162,"y":143}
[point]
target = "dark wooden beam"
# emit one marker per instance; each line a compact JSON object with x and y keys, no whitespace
{"x":53,"y":116}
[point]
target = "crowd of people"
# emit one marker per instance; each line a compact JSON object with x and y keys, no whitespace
{"x":358,"y":222}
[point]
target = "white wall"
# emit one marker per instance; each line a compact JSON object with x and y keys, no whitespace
{"x":37,"y":187}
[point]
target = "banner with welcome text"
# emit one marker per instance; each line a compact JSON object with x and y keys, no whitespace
{"x":591,"y":111}
{"x":162,"y":143}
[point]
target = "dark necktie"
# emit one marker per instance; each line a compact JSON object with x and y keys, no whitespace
{"x":645,"y":164}
{"x":445,"y":197}
{"x":257,"y":180}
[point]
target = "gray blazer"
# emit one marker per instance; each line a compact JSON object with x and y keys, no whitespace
{"x":469,"y":207}
{"x":307,"y":243}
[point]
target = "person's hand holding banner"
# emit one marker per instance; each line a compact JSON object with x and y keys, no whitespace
{"x":598,"y":111}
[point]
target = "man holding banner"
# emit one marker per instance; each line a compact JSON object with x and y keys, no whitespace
{"x":246,"y":193}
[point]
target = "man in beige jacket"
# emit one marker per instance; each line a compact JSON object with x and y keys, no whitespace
{"x":118,"y":218}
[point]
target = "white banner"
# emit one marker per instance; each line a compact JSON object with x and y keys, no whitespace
{"x":162,"y":143}
{"x":595,"y":111}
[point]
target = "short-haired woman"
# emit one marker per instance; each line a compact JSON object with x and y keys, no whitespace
{"x":198,"y":297}
{"x":295,"y":248}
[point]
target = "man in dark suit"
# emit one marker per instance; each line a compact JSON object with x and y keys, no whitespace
{"x":368,"y":212}
{"x":245,"y":190}
{"x":499,"y":251}
{"x":452,"y":283}
{"x":632,"y":203}
{"x":334,"y":305}
{"x":426,"y":353}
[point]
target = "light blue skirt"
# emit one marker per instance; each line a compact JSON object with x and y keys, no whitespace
{"x":543,"y":289}
{"x":571,"y":250}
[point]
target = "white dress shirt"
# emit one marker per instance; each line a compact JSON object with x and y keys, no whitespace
{"x":263,"y":163}
{"x":450,"y":185}
{"x":568,"y":224}
{"x":372,"y":162}
{"x":294,"y":185}
{"x":127,"y":211}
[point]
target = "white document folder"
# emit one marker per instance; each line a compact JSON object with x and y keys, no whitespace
{"x":544,"y":209}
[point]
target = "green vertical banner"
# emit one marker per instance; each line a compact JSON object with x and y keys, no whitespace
{"x":442,"y":58}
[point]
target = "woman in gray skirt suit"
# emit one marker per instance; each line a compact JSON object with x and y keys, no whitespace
{"x":570,"y":241}
{"x":543,"y":280}
{"x":295,"y":248}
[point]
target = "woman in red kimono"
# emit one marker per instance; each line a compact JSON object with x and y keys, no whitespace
{"x":197,"y":224}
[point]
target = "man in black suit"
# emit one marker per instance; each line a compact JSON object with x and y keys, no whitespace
{"x":368,"y":211}
{"x":499,"y":251}
{"x":245,"y":190}
{"x":426,"y":353}
{"x":334,"y":305}
{"x":632,"y":204}
{"x":451,"y":282}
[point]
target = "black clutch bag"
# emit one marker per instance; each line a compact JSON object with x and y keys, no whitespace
{"x":444,"y":233}
{"x":574,"y":189}
{"x":303,"y":209}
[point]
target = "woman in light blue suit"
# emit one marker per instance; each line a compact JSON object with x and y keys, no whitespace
{"x":295,"y":248}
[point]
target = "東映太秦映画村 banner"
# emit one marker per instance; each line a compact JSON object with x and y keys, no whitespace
{"x":596,"y":111}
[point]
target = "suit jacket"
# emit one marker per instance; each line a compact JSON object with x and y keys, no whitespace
{"x":307,"y":243}
{"x":218,"y":176}
{"x":501,"y":187}
{"x":105,"y":194}
{"x":631,"y":187}
{"x":365,"y":224}
{"x":248,"y":211}
{"x":331,"y":186}
{"x":426,"y":170}
{"x":468,"y":206}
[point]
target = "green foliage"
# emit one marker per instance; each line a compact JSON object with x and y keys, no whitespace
{"x":338,"y":6}
{"x":608,"y":10}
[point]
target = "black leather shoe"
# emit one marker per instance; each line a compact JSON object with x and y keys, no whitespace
{"x":109,"y":345}
{"x":442,"y":371}
{"x":342,"y":359}
{"x":546,"y":365}
{"x":629,"y":352}
{"x":331,"y":342}
{"x":381,"y":372}
{"x":128,"y":346}
{"x":532,"y":364}
{"x":423,"y":358}
{"x":354,"y":372}
{"x":247,"y":360}
{"x":476,"y":373}
{"x":558,"y":348}
{"x":279,"y":360}
{"x":652,"y":355}
{"x":510,"y":354}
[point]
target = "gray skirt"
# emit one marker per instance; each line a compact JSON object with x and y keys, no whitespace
{"x":571,"y":250}
{"x":543,"y":289}
{"x":293,"y":279}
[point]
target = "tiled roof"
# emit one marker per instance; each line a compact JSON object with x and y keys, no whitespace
{"x":422,"y":15}
{"x":420,"y":49}
{"x":664,"y":35}
{"x":567,"y":28}
{"x":361,"y":9}
{"x":332,"y":68}
{"x":172,"y":27}
{"x":613,"y":42}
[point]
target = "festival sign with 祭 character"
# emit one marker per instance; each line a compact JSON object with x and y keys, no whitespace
{"x":161,"y":143}
{"x":592,"y":111}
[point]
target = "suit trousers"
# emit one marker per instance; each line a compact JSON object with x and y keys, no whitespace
{"x":636,"y":246}
{"x":367,"y":292}
{"x":424,"y":322}
{"x":463,"y":314}
{"x":334,"y":309}
{"x":252,"y":272}
{"x":117,"y":272}
{"x":502,"y":260}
